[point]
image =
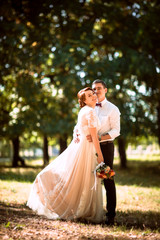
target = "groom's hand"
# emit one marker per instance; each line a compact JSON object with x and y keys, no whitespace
{"x":76,"y":138}
{"x":89,"y":138}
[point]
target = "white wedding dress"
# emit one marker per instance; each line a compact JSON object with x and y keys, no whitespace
{"x":65,"y":188}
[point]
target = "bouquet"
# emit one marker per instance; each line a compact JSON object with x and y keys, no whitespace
{"x":103,"y":171}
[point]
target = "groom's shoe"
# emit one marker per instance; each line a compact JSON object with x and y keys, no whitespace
{"x":110,"y":222}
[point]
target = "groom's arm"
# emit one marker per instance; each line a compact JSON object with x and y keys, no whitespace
{"x":104,"y":137}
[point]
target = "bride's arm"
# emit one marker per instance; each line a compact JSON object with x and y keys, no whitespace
{"x":93,"y":132}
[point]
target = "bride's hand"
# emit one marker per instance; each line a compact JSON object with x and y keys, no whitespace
{"x":100,"y":159}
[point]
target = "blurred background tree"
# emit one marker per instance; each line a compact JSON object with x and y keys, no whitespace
{"x":49,"y":50}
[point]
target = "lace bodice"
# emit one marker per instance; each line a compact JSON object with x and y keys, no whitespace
{"x":87,"y":118}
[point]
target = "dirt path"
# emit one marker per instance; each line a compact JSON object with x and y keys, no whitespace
{"x":17,"y":222}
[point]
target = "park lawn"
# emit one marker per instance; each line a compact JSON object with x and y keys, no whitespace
{"x":138,"y":207}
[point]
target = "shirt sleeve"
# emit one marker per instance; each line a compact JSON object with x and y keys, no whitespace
{"x":115,"y":124}
{"x":92,"y":119}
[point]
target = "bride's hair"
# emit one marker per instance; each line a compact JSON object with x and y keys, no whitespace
{"x":82,"y":97}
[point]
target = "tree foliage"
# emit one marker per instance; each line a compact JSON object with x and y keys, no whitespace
{"x":51,"y":49}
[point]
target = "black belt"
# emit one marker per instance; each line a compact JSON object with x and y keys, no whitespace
{"x":106,"y":142}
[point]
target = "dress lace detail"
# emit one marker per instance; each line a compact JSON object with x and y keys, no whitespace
{"x":64,"y":189}
{"x":92,"y":119}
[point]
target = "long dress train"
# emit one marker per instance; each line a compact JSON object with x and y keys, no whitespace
{"x":65,"y":188}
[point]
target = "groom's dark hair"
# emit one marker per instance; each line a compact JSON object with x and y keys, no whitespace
{"x":99,"y":81}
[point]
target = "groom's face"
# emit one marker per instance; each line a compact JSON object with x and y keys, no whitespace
{"x":100,"y":91}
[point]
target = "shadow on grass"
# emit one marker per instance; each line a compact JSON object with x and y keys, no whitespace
{"x":124,"y":220}
{"x":139,"y":219}
{"x":138,"y":173}
{"x":27,"y":175}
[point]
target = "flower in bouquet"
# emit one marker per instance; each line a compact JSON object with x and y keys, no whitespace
{"x":103,"y":171}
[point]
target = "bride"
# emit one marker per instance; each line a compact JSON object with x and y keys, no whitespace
{"x":65,"y":188}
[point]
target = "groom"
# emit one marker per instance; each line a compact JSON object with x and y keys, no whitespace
{"x":109,"y":116}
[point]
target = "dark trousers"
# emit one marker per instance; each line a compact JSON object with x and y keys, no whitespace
{"x":108,"y":154}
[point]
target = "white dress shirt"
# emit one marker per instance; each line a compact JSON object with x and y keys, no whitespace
{"x":109,"y":116}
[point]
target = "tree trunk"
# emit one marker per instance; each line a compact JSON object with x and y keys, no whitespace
{"x":16,"y":158}
{"x":45,"y":151}
{"x":63,"y":143}
{"x":122,"y":152}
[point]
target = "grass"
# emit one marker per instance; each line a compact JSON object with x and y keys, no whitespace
{"x":138,"y":205}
